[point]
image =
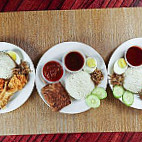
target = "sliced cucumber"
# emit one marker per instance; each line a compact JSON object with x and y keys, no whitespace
{"x":128,"y":98}
{"x":118,"y":91}
{"x":100,"y":93}
{"x":92,"y":101}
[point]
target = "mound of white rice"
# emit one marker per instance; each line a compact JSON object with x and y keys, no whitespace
{"x":6,"y":66}
{"x":133,"y":79}
{"x":79,"y":85}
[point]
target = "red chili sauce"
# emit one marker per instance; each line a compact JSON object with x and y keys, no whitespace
{"x":74,"y":61}
{"x":134,"y":56}
{"x":52,"y":71}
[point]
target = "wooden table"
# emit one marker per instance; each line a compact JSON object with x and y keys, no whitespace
{"x":36,"y":32}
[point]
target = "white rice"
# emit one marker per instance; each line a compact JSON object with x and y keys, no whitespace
{"x":79,"y":85}
{"x":133,"y":79}
{"x":6,"y":66}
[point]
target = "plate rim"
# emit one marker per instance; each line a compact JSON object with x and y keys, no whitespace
{"x":55,"y":46}
{"x":108,"y":70}
{"x":34,"y":75}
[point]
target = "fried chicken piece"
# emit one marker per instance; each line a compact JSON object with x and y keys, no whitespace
{"x":3,"y":92}
{"x":2,"y":82}
{"x":4,"y":97}
{"x":16,"y":83}
{"x":56,"y":96}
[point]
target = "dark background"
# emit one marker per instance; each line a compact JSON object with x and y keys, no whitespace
{"x":30,"y":5}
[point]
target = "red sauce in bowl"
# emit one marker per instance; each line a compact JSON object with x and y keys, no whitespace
{"x":134,"y":56}
{"x":52,"y":71}
{"x":74,"y":61}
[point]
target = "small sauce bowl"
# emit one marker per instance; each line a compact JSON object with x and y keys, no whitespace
{"x":133,"y":56}
{"x":53,"y":71}
{"x":74,"y":61}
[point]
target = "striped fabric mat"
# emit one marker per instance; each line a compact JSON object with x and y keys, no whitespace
{"x":84,"y":137}
{"x":21,"y":5}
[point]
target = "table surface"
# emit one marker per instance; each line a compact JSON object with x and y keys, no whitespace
{"x":20,"y":5}
{"x":36,"y":32}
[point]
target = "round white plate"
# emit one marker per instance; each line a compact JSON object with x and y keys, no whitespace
{"x":57,"y":52}
{"x":20,"y":97}
{"x":119,"y":52}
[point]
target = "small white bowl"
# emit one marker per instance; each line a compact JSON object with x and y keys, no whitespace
{"x":50,"y":82}
{"x":127,"y":60}
{"x":63,"y":60}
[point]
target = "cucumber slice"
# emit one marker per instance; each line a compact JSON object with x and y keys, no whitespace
{"x":128,"y":98}
{"x":100,"y":93}
{"x":92,"y":101}
{"x":118,"y":91}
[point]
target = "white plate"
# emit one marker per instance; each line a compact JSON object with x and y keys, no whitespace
{"x":119,"y":52}
{"x":20,"y":97}
{"x":57,"y":52}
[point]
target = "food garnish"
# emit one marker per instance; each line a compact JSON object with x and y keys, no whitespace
{"x":14,"y":56}
{"x":100,"y":92}
{"x":79,"y":85}
{"x":120,"y":66}
{"x":97,"y":76}
{"x":92,"y":101}
{"x":118,"y":91}
{"x":117,"y":79}
{"x":91,"y":65}
{"x":56,"y":96}
{"x":128,"y":98}
{"x":74,"y":61}
{"x":53,"y":71}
